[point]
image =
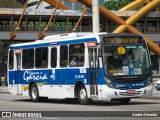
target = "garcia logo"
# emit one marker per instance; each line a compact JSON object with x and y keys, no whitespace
{"x":28,"y":75}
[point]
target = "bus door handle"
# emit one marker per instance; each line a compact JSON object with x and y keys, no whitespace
{"x":51,"y":86}
{"x":60,"y":86}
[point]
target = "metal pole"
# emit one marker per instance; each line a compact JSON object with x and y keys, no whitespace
{"x":19,"y":22}
{"x":12,"y":23}
{"x":95,"y":16}
{"x":85,"y":9}
{"x":46,"y":29}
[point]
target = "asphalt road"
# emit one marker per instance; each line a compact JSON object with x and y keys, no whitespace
{"x":113,"y":110}
{"x":156,"y":92}
{"x":9,"y":102}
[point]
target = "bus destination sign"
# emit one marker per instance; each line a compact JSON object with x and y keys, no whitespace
{"x":122,"y":40}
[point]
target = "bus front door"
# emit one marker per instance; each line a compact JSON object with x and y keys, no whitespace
{"x":18,"y":73}
{"x":93,"y":60}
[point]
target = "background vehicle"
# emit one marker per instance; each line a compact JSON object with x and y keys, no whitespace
{"x":106,"y":66}
{"x":157,"y":85}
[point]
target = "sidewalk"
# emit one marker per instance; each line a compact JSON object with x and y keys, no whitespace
{"x":4,"y":90}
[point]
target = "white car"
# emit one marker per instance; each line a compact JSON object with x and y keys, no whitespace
{"x":157,"y":85}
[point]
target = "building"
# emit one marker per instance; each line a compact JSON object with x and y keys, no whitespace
{"x":44,"y":5}
{"x":35,"y":21}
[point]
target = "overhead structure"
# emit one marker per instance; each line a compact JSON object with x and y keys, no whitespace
{"x":74,"y":29}
{"x":13,"y":34}
{"x":148,"y":5}
{"x":126,"y":25}
{"x":133,"y":5}
{"x":71,"y":1}
{"x":42,"y":34}
{"x":54,"y":3}
{"x":95,"y":16}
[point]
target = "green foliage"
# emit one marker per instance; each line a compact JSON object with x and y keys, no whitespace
{"x":3,"y":57}
{"x":116,"y":4}
{"x":10,"y":4}
{"x":1,"y":66}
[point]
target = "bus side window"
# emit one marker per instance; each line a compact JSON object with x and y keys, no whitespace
{"x":28,"y":58}
{"x":53,"y":57}
{"x":64,"y":56}
{"x":11,"y":59}
{"x":41,"y":57}
{"x":76,"y":55}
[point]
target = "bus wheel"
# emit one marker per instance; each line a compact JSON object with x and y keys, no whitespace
{"x":124,"y":100}
{"x":82,"y":95}
{"x":34,"y":94}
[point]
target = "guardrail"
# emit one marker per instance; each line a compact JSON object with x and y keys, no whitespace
{"x":70,"y":28}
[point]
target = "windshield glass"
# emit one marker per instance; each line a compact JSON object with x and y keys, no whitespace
{"x":126,"y":60}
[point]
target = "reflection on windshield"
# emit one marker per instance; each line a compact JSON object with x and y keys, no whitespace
{"x":126,"y":60}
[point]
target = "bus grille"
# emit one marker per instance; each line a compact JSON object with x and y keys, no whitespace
{"x":133,"y":94}
{"x":123,"y":81}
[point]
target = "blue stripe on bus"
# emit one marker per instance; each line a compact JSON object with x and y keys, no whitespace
{"x":68,"y":76}
{"x":50,"y":43}
{"x":58,"y":76}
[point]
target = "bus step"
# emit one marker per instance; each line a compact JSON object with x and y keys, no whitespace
{"x":94,"y":96}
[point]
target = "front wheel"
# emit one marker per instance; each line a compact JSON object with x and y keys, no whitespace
{"x":82,"y":95}
{"x":34,"y":94}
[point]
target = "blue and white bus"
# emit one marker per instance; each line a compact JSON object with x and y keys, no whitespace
{"x":81,"y":65}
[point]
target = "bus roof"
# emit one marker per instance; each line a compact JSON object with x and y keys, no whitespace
{"x":69,"y":38}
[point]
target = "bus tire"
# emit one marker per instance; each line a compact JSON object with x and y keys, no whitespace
{"x":125,"y":100}
{"x":34,"y":93}
{"x":82,"y":95}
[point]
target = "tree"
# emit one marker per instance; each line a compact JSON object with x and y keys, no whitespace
{"x":116,"y":4}
{"x":10,"y":4}
{"x":3,"y":56}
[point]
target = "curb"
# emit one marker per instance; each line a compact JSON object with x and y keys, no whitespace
{"x":151,"y":98}
{"x":4,"y":93}
{"x":4,"y":90}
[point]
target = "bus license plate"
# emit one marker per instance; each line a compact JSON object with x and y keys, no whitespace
{"x":131,"y":92}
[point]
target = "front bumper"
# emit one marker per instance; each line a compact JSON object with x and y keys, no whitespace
{"x":109,"y":93}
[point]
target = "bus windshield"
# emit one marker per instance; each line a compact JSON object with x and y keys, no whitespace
{"x":126,"y":60}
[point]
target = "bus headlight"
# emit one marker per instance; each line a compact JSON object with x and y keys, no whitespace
{"x":109,"y":83}
{"x":149,"y":81}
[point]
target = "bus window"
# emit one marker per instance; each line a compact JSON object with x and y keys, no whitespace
{"x":11,"y":54}
{"x":64,"y":56}
{"x":41,"y":57}
{"x":53,"y":57}
{"x":28,"y":59}
{"x":76,"y":55}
